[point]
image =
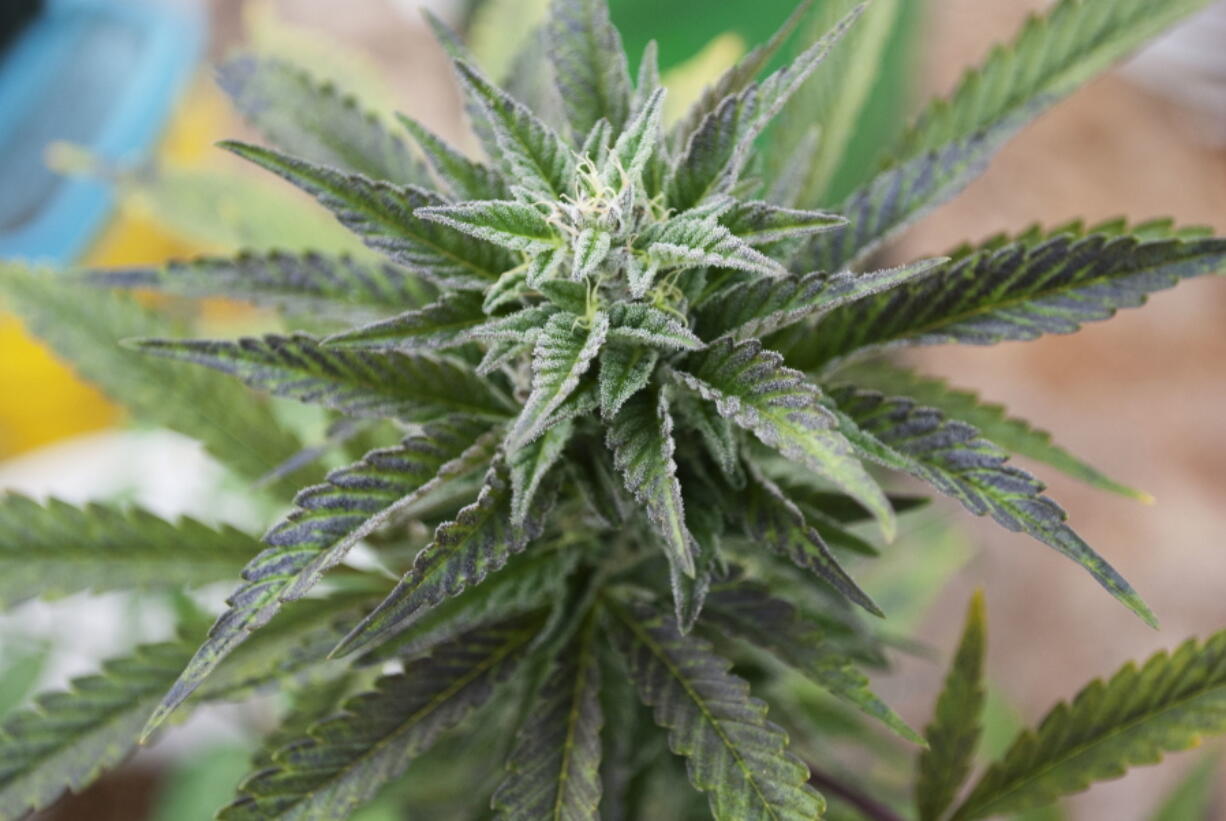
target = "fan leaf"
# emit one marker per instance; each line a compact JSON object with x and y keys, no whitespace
{"x":315,"y":120}
{"x":345,"y":759}
{"x":354,"y":382}
{"x":55,"y":549}
{"x":554,"y":770}
{"x":532,"y":153}
{"x":467,"y":179}
{"x":327,"y":521}
{"x":443,"y":324}
{"x":751,"y":386}
{"x":462,"y":554}
{"x":773,"y":521}
{"x":957,"y":722}
{"x":304,"y":284}
{"x":641,"y":439}
{"x":1166,"y":705}
{"x":953,"y":458}
{"x":763,"y":306}
{"x":384,"y":215}
{"x":589,"y":64}
{"x":747,"y":609}
{"x":1012,"y":434}
{"x":1018,"y":290}
{"x":733,"y":753}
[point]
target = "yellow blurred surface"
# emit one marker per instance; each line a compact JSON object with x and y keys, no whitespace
{"x":41,"y":400}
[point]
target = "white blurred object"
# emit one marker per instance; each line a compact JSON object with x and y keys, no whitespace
{"x":447,"y":10}
{"x":1188,"y":65}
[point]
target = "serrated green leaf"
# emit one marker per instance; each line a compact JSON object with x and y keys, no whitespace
{"x":897,"y":197}
{"x":55,"y":549}
{"x":589,"y":64}
{"x":1035,"y":285}
{"x":566,"y":294}
{"x":761,"y":223}
{"x":624,"y":371}
{"x":385,"y":217}
{"x":640,"y":437}
{"x":315,"y":120}
{"x":640,"y":324}
{"x":773,"y":521}
{"x":718,"y":149}
{"x":733,"y":753}
{"x":462,"y":554}
{"x":835,"y":97}
{"x":534,"y":155}
{"x":691,"y":242}
{"x":554,"y":770}
{"x":357,"y":382}
{"x":463,"y":177}
{"x":234,"y":425}
{"x":1168,"y":704}
{"x":563,"y":353}
{"x":1052,"y":56}
{"x":530,"y":464}
{"x":957,"y":722}
{"x":737,"y":78}
{"x":443,"y":324}
{"x":589,"y":249}
{"x":303,"y":284}
{"x":512,"y":225}
{"x":68,"y":738}
{"x":637,"y":144}
{"x":717,"y":434}
{"x":530,"y":581}
{"x":751,"y":386}
{"x":992,"y":420}
{"x":344,"y":760}
{"x":762,"y":306}
{"x":953,"y":458}
{"x":748,"y":610}
{"x":327,"y":521}
{"x":524,"y":325}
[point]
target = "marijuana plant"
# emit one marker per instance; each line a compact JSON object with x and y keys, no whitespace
{"x":632,"y":378}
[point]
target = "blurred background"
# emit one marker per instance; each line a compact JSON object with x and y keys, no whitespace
{"x":107,"y":116}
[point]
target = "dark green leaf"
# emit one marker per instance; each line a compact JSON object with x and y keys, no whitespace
{"x":751,"y":386}
{"x":554,"y":770}
{"x":641,"y":439}
{"x":463,"y":553}
{"x":328,"y":520}
{"x":384,"y":216}
{"x":1013,"y":434}
{"x":1034,"y":285}
{"x":344,"y":760}
{"x":734,"y":754}
{"x":589,"y":64}
{"x":356,"y":382}
{"x":1168,"y":704}
{"x":953,"y":458}
{"x":305,"y":284}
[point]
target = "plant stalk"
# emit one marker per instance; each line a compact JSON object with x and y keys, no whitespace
{"x":868,"y":806}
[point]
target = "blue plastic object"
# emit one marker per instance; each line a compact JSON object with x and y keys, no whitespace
{"x":103,"y":74}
